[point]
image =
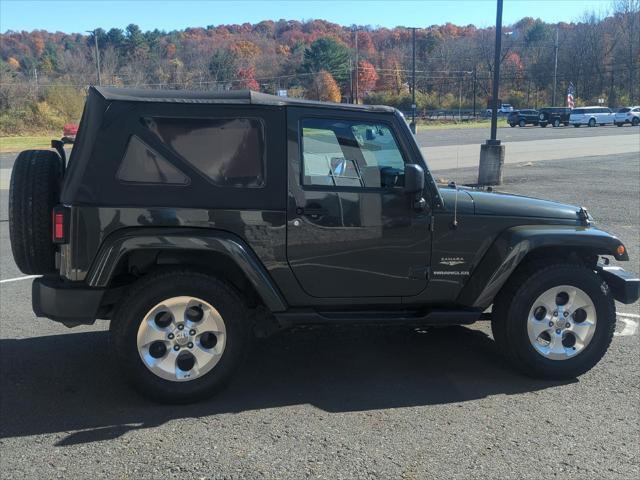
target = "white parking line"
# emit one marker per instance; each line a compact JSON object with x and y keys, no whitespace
{"x":630,"y":327}
{"x":17,"y":279}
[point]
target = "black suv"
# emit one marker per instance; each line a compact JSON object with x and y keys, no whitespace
{"x":555,"y":116}
{"x":523,"y":118}
{"x":196,"y":220}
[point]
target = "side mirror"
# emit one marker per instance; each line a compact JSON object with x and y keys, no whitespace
{"x":413,"y":178}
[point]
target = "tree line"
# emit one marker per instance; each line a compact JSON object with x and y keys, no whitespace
{"x":44,"y":74}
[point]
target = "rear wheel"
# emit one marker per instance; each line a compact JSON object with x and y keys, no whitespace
{"x":33,"y":192}
{"x":635,"y":122}
{"x":512,"y":125}
{"x":522,"y":123}
{"x":180,"y":335}
{"x":556,"y":323}
{"x":592,"y":122}
{"x":556,"y":123}
{"x":618,"y":124}
{"x":543,"y":124}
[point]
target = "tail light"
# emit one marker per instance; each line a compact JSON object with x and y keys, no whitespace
{"x":60,"y":224}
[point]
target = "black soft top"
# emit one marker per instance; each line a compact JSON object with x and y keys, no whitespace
{"x":113,"y":115}
{"x":238,"y":97}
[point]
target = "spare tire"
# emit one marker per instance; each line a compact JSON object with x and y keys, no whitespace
{"x":33,"y":192}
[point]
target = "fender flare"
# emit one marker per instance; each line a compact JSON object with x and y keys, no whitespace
{"x":124,"y":241}
{"x":515,"y":243}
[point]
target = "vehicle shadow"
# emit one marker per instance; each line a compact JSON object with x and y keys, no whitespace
{"x":67,"y":382}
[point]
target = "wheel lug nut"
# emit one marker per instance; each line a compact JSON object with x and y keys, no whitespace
{"x":566,"y":314}
{"x":171,"y":336}
{"x":192,"y":332}
{"x":558,"y":331}
{"x":567,"y":325}
{"x":551,"y":324}
{"x":190,"y":345}
{"x":176,"y":347}
{"x":555,"y":314}
{"x":180,"y":327}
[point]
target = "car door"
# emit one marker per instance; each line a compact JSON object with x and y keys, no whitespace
{"x":352,"y":231}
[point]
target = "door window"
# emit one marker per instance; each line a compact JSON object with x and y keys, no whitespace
{"x":341,"y":153}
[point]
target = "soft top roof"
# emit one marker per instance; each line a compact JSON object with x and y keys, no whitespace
{"x":226,"y":97}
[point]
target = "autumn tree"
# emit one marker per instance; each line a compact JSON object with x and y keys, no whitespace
{"x":324,"y":87}
{"x":367,"y":78}
{"x":223,"y":66}
{"x":247,"y":79}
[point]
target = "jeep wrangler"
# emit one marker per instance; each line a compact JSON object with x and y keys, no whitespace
{"x":194,"y":221}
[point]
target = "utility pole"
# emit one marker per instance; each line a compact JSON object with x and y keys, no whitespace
{"x":413,"y":85}
{"x":357,"y":66}
{"x":475,"y":81}
{"x":555,"y":69}
{"x":35,"y":78}
{"x":95,"y":43}
{"x":492,"y":152}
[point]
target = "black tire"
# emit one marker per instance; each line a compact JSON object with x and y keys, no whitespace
{"x":33,"y":192}
{"x":543,"y":124}
{"x":512,"y":125}
{"x":635,"y":122}
{"x":512,"y":306}
{"x":577,"y":125}
{"x":592,"y":122}
{"x":157,"y":287}
{"x":566,"y":124}
{"x":556,"y":123}
{"x":522,"y":123}
{"x":619,"y":124}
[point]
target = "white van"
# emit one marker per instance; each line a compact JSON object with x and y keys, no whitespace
{"x":591,"y":116}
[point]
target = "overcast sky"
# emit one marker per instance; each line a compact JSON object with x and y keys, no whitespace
{"x":81,"y":15}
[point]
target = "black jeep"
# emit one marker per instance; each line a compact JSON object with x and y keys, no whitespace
{"x":523,"y":118}
{"x":555,"y":116}
{"x":195,"y":220}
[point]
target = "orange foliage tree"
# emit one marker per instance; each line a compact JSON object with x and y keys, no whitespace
{"x":324,"y":87}
{"x":367,"y":78}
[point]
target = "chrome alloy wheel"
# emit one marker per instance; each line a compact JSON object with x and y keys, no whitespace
{"x":561,"y":322}
{"x":181,"y":338}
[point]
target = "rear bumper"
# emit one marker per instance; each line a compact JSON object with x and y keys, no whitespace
{"x":625,"y":286}
{"x":65,"y":302}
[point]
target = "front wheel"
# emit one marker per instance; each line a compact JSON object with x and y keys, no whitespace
{"x":512,"y":125}
{"x":635,"y":122}
{"x":179,"y":335}
{"x":556,"y":323}
{"x":592,"y":122}
{"x":522,"y":123}
{"x":543,"y":124}
{"x":556,"y":123}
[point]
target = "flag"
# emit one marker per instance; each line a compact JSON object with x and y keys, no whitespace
{"x":570,"y":92}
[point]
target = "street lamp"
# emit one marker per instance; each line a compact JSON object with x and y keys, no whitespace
{"x":492,"y":152}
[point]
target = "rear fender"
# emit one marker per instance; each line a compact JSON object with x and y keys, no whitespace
{"x":514,"y":244}
{"x":123,"y":242}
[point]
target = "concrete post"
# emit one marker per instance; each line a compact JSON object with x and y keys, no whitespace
{"x":491,"y":163}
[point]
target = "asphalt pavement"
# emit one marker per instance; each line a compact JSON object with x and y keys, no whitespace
{"x":337,"y":402}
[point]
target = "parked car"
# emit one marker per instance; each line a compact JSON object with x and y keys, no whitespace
{"x":69,"y":132}
{"x":195,"y":220}
{"x":591,"y":116}
{"x":505,"y":108}
{"x":555,"y":116}
{"x":627,"y":115}
{"x":523,"y":118}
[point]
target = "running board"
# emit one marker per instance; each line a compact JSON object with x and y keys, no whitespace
{"x":434,"y":317}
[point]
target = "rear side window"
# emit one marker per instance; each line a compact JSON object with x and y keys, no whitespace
{"x":624,"y":110}
{"x":228,"y":151}
{"x":578,"y":111}
{"x":142,"y":164}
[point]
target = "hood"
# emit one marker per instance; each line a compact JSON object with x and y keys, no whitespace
{"x":507,"y":205}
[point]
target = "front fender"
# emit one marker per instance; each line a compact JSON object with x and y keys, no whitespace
{"x":515,"y":243}
{"x":122,"y":242}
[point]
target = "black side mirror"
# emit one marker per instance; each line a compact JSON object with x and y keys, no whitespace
{"x":413,"y":178}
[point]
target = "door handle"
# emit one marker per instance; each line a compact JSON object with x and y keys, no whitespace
{"x":312,"y":212}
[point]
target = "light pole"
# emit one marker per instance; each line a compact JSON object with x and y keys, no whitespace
{"x":95,"y":40}
{"x":491,"y":152}
{"x":555,"y":69}
{"x":413,"y":84}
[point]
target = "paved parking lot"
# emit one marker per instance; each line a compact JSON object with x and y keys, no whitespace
{"x":337,"y":402}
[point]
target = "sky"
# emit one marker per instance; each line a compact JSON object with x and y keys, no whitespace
{"x":73,"y":16}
